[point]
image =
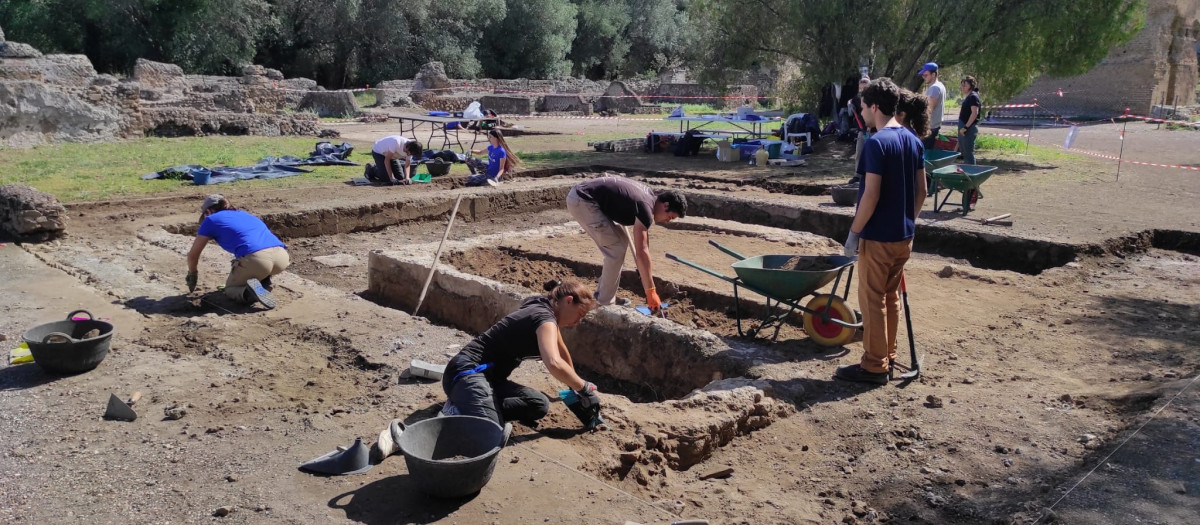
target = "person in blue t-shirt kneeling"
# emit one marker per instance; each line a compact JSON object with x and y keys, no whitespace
{"x":501,"y":161}
{"x":890,"y":197}
{"x":258,"y":253}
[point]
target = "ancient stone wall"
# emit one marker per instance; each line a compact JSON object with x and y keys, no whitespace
{"x":508,"y":104}
{"x":186,"y":122}
{"x":1158,"y":66}
{"x":564,"y":103}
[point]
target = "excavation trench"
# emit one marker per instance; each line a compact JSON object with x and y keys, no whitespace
{"x":981,"y":249}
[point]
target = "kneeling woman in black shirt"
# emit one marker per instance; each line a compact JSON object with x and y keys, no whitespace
{"x":476,"y":380}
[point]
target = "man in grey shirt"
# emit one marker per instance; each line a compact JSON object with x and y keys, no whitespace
{"x":937,"y":100}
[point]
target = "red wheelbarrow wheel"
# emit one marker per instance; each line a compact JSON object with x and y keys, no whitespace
{"x":829,"y":333}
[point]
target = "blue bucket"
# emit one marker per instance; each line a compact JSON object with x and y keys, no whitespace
{"x":200,"y":177}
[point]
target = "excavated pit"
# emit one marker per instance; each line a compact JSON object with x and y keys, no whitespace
{"x":482,"y":279}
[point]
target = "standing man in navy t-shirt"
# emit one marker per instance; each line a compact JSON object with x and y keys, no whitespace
{"x":889,"y":199}
{"x":258,"y":253}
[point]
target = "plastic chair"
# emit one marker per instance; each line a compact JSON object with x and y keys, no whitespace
{"x":807,"y":136}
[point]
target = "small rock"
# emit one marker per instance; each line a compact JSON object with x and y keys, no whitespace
{"x":933,"y":401}
{"x":848,"y":469}
{"x":1087,"y":438}
{"x":946,"y":272}
{"x":221,"y":512}
{"x":969,"y":381}
{"x":231,"y":478}
{"x":1001,"y":449}
{"x":1008,"y":462}
{"x":926,"y":470}
{"x":174,"y":412}
{"x":718,"y":473}
{"x":515,"y":459}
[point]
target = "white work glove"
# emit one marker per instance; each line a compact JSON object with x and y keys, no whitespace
{"x":852,"y":244}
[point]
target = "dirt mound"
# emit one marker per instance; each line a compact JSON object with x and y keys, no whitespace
{"x":805,"y":263}
{"x":677,"y":435}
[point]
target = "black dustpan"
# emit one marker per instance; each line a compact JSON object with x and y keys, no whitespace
{"x":353,"y":460}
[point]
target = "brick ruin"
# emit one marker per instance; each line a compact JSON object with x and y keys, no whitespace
{"x":1158,"y":67}
{"x":61,"y":98}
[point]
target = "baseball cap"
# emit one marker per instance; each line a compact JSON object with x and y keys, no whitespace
{"x":211,"y":201}
{"x":930,"y":67}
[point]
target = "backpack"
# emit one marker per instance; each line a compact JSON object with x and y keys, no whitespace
{"x":688,"y":145}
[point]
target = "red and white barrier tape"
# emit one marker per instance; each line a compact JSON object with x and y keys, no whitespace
{"x":1011,"y":106}
{"x":1021,"y":135}
{"x":1162,"y":121}
{"x":1126,"y":161}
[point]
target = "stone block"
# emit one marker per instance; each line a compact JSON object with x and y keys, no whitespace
{"x":158,"y":75}
{"x":330,"y":103}
{"x":18,"y":50}
{"x":432,"y":76}
{"x":30,"y":215}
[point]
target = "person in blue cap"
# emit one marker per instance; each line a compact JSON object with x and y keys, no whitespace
{"x":258,"y":253}
{"x":937,"y":100}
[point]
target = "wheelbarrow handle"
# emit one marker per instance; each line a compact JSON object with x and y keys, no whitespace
{"x":727,"y":251}
{"x":713,"y":273}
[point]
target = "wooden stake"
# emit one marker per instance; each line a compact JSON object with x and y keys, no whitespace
{"x":438,"y":255}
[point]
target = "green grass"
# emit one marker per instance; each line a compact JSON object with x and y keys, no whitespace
{"x":88,"y":172}
{"x":365,"y":98}
{"x":545,"y":158}
{"x":999,"y":144}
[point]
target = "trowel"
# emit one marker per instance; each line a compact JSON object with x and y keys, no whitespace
{"x":121,"y":410}
{"x":645,"y":310}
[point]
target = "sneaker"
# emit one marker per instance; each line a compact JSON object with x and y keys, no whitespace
{"x":369,"y":172}
{"x":621,"y":301}
{"x":857,"y":374}
{"x":493,"y":182}
{"x":388,"y":442}
{"x":255,"y":292}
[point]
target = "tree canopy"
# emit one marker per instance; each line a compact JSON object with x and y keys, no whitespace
{"x":1003,"y":43}
{"x":339,"y":43}
{"x":353,"y":42}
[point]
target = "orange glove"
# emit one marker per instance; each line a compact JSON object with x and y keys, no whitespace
{"x":653,"y":301}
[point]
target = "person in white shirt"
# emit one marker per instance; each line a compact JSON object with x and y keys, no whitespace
{"x":937,"y":101}
{"x":388,"y":151}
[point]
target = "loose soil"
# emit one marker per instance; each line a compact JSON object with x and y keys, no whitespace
{"x":1040,"y":376}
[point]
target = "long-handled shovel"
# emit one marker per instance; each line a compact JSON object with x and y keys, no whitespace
{"x":914,"y":370}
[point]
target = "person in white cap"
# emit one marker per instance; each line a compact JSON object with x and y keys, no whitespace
{"x":937,"y":100}
{"x":258,"y":253}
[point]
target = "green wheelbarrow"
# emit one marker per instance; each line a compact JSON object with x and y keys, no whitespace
{"x":785,"y":280}
{"x":963,"y":178}
{"x":937,"y":158}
